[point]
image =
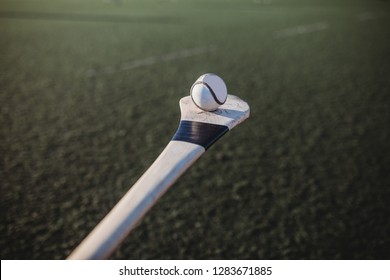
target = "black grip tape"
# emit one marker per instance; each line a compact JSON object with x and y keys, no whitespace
{"x":203,"y":134}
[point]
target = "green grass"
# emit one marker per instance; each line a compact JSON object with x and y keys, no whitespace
{"x":306,"y":177}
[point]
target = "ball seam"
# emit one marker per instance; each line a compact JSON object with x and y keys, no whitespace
{"x":211,"y":91}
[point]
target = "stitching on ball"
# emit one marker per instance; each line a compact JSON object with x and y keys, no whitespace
{"x":210,"y":89}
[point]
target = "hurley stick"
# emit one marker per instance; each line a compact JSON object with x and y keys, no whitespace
{"x":197,"y":131}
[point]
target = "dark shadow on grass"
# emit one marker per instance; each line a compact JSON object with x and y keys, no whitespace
{"x":88,"y":17}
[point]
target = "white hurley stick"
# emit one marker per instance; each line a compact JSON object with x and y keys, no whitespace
{"x":197,"y":131}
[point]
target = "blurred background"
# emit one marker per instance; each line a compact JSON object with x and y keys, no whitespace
{"x":89,"y":94}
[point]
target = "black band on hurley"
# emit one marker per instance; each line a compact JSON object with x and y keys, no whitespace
{"x":203,"y":134}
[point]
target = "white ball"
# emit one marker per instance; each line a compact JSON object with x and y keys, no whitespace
{"x":209,"y":92}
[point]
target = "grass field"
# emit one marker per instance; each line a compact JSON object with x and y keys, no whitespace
{"x":89,"y":95}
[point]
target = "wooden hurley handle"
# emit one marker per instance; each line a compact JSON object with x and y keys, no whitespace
{"x":112,"y":230}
